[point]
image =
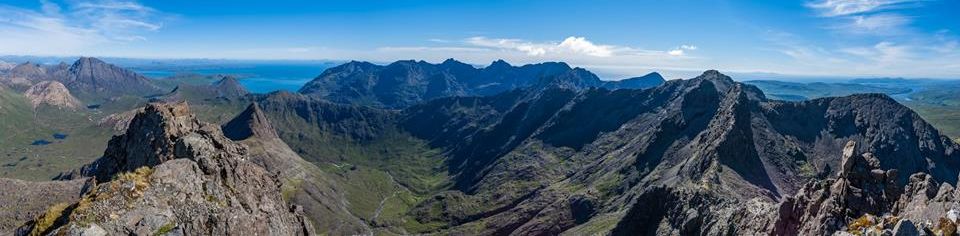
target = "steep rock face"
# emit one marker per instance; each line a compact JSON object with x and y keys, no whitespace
{"x":170,"y":173}
{"x":52,"y":93}
{"x":304,"y":183}
{"x":865,"y":199}
{"x":404,"y":83}
{"x":718,"y":148}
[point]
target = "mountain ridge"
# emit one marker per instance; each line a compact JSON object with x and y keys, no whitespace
{"x":404,"y":83}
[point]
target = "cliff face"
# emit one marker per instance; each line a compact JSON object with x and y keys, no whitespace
{"x":170,"y":173}
{"x":304,"y":183}
{"x":643,"y":158}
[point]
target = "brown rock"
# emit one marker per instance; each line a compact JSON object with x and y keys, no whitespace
{"x":51,"y":93}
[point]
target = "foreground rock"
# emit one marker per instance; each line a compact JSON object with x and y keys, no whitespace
{"x":171,"y":174}
{"x":22,"y":201}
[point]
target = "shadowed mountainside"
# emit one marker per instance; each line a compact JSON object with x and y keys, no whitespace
{"x":404,"y":83}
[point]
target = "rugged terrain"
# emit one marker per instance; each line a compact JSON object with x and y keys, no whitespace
{"x":404,"y":83}
{"x":540,"y":149}
{"x":172,"y":174}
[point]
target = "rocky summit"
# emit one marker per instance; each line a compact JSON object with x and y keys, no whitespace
{"x":52,"y":93}
{"x":172,"y":174}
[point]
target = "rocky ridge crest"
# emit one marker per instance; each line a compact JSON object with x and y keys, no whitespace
{"x":171,"y":174}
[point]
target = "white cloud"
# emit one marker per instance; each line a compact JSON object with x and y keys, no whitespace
{"x":581,"y":45}
{"x":79,"y":28}
{"x":569,"y":46}
{"x":681,"y":50}
{"x":866,"y":16}
{"x":832,"y":8}
{"x":437,"y":49}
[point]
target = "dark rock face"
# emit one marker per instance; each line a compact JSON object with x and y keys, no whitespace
{"x":303,"y":182}
{"x":701,"y":156}
{"x":93,"y":77}
{"x":251,"y":122}
{"x":169,"y":173}
{"x":404,"y":83}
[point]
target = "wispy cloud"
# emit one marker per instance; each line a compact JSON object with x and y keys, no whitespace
{"x":57,"y":30}
{"x":866,"y":16}
{"x":831,"y":8}
{"x":570,"y":45}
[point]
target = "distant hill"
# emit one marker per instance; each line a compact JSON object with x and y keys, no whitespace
{"x":88,"y":78}
{"x":404,"y":83}
{"x":792,"y":91}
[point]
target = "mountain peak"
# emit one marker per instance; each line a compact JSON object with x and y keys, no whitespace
{"x":89,"y":61}
{"x":451,"y":61}
{"x":171,"y":160}
{"x":229,"y":86}
{"x":51,"y":93}
{"x":250,"y":123}
{"x":713,"y":74}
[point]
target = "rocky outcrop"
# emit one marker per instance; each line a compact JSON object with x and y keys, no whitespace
{"x":823,"y":207}
{"x":53,"y":94}
{"x":118,"y":122}
{"x":171,"y":174}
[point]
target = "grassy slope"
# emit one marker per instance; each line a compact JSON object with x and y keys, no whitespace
{"x":939,"y":105}
{"x":383,"y":177}
{"x":21,"y":125}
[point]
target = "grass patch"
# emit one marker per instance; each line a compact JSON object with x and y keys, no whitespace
{"x":166,"y":228}
{"x":48,"y":219}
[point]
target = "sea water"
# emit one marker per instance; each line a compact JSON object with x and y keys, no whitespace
{"x":256,"y":78}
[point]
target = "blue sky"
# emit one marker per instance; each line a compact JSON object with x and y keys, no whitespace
{"x":909,"y":38}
